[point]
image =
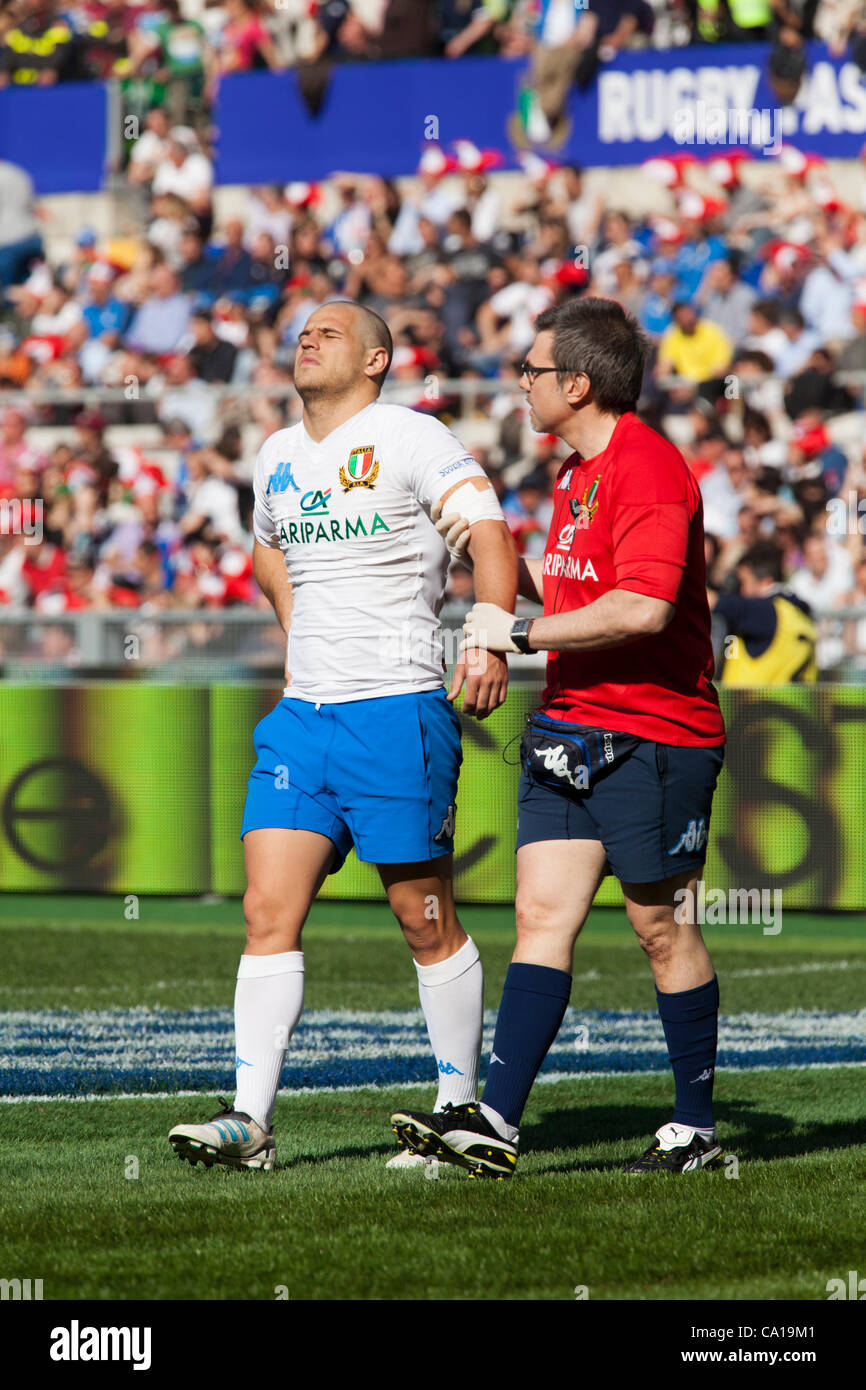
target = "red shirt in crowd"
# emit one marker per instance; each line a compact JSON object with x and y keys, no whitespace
{"x":240,"y":43}
{"x":632,"y":518}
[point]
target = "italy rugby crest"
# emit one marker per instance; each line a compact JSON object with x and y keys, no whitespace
{"x":361,"y":470}
{"x":588,"y":506}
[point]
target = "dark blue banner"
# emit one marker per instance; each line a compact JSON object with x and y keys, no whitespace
{"x":378,"y":116}
{"x":58,"y":134}
{"x":707,"y":99}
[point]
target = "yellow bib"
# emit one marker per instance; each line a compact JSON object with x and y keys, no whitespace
{"x":789,"y":657}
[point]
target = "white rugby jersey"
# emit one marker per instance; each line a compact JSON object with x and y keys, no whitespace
{"x":367,"y":566}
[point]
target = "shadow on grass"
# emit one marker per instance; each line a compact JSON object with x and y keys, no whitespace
{"x":757,"y":1134}
{"x":298,"y":1160}
{"x":746,"y":1131}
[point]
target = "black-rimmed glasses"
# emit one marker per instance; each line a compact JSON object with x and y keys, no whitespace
{"x":528,"y":370}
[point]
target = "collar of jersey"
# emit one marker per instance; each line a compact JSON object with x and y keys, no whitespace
{"x":617,"y":430}
{"x":352,"y":420}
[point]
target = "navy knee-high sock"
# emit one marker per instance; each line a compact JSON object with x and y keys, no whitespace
{"x":691,"y":1022}
{"x":534,"y":1002}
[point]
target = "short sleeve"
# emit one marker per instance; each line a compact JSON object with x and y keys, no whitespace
{"x":650,"y":522}
{"x":439,"y":463}
{"x":264,"y":528}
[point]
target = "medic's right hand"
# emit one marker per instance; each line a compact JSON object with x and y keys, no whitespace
{"x":455,"y":531}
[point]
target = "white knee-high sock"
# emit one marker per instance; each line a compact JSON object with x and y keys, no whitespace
{"x":269,"y":998}
{"x":452,"y":997}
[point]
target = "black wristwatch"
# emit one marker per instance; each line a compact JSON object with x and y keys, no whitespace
{"x":520,"y":635}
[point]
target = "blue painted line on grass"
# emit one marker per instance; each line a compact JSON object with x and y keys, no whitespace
{"x":62,"y":1052}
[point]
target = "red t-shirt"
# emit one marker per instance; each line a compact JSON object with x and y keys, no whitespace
{"x":632,"y":518}
{"x":240,"y":42}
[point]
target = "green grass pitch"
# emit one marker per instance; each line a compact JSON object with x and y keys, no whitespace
{"x":331,"y":1223}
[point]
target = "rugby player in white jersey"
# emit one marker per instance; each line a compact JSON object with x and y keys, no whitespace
{"x":364,"y":747}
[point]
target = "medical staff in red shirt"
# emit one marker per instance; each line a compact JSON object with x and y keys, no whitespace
{"x":620,"y":762}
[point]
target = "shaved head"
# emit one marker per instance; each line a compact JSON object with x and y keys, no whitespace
{"x":374,"y":332}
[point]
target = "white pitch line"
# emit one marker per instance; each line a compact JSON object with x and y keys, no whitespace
{"x":588,"y":977}
{"x":809,"y":968}
{"x":545,"y":1079}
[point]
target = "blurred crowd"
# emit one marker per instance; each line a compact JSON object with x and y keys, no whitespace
{"x":190,"y":43}
{"x":186,"y":325}
{"x":194,"y":41}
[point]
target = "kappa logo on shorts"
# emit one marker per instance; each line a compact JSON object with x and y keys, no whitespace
{"x":446,"y":830}
{"x":693,"y":837}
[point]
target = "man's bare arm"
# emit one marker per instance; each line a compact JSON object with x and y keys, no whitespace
{"x":617,"y":617}
{"x":494,"y":558}
{"x":269,"y":568}
{"x":529,"y":579}
{"x":455,"y":529}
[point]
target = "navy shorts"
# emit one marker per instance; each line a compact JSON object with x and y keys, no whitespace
{"x":378,"y":774}
{"x":651,"y":812}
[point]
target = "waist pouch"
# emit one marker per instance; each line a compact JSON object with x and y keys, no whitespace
{"x":574,"y":760}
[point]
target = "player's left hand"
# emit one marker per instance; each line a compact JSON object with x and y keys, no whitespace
{"x":485,"y":675}
{"x":488,"y":627}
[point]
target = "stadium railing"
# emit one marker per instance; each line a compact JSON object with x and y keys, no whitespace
{"x":396,"y":391}
{"x":239,"y":643}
